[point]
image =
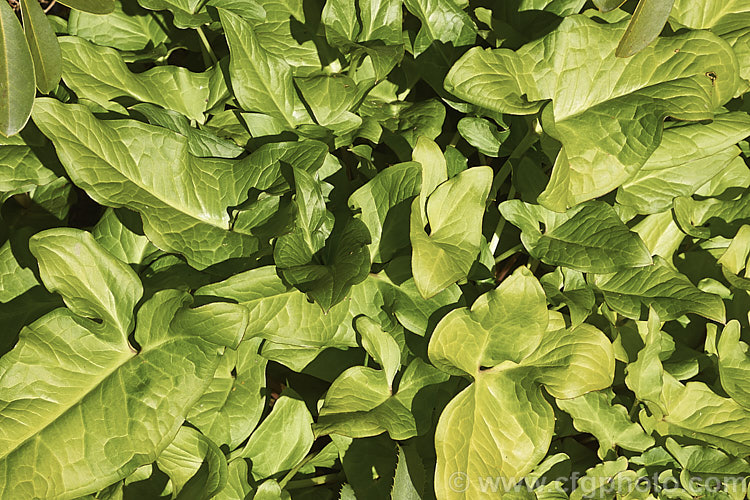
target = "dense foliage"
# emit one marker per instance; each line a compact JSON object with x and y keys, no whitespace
{"x":374,"y":249}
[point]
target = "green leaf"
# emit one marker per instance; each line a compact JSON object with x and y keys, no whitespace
{"x":115,"y":234}
{"x":182,"y":199}
{"x":454,"y":213}
{"x":17,"y":69}
{"x":21,"y":169}
{"x":14,"y":279}
{"x":724,"y":426}
{"x":404,"y":487}
{"x":340,"y":20}
{"x":281,"y":313}
{"x":608,"y":5}
{"x":688,"y":157}
{"x":100,"y":74}
{"x":383,"y":202}
{"x":45,"y":51}
{"x":90,"y":384}
{"x":201,"y":142}
{"x":734,"y":364}
{"x":482,"y":134}
{"x":694,"y":73}
{"x":233,"y":403}
{"x":670,"y":293}
{"x":330,"y":98}
{"x":434,"y":169}
{"x":381,"y":20}
{"x":513,"y":318}
{"x":92,"y":6}
{"x":187,"y":13}
{"x":128,"y":27}
{"x":360,"y":403}
{"x":509,"y":359}
{"x":312,"y":227}
{"x":381,"y":346}
{"x":345,"y":261}
{"x":237,"y":483}
{"x":589,"y":238}
{"x":645,"y":375}
{"x":196,"y":466}
{"x":647,"y":22}
{"x":261,"y":81}
{"x":706,"y":460}
{"x":282,"y":439}
{"x":443,"y":21}
{"x":271,"y":490}
{"x":609,"y":423}
{"x":727,"y":19}
{"x":107,"y":293}
{"x":369,"y":465}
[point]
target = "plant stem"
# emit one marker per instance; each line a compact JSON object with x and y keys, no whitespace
{"x":526,"y":142}
{"x":634,"y":409}
{"x":456,"y":137}
{"x":316,"y":481}
{"x":206,"y":45}
{"x":49,"y":7}
{"x":500,"y":225}
{"x":296,"y":469}
{"x":508,"y":253}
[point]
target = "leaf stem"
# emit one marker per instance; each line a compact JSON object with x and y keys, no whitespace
{"x":49,"y":7}
{"x":454,"y":140}
{"x":206,"y":45}
{"x":526,"y":142}
{"x":296,"y":469}
{"x":508,"y":253}
{"x":634,"y":409}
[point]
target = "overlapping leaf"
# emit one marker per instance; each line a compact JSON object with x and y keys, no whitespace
{"x":607,"y":112}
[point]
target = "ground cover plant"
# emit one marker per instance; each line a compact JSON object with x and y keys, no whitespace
{"x":374,"y":249}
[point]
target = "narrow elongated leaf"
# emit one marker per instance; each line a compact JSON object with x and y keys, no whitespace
{"x":647,"y":22}
{"x":45,"y":51}
{"x":16,"y":74}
